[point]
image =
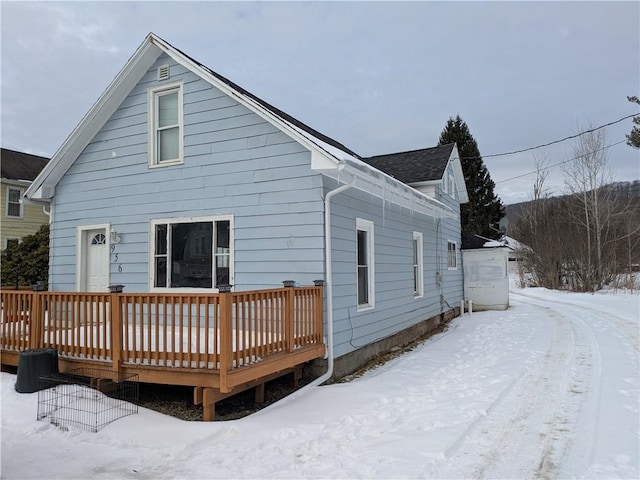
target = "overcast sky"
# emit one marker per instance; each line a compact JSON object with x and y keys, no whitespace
{"x":379,"y":77}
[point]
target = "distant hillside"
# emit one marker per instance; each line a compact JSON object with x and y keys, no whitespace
{"x":621,"y":190}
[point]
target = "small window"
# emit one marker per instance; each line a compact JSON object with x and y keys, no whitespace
{"x":452,"y":186}
{"x":14,"y":204}
{"x":99,"y":239}
{"x":192,"y":254}
{"x":165,"y":125}
{"x":365,"y":264}
{"x":418,"y":265}
{"x":452,"y":255}
{"x":11,"y":241}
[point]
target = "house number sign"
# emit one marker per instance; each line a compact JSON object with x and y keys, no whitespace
{"x":115,"y":257}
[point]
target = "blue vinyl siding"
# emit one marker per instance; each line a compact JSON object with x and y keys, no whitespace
{"x":234,"y":163}
{"x":395,"y":306}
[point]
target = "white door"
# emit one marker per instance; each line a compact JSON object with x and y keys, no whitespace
{"x":96,"y":261}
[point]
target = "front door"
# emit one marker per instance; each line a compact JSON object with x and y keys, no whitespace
{"x":96,"y":261}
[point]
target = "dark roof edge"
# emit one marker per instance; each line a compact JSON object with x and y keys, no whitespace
{"x":2,"y":149}
{"x":267,"y":105}
{"x":392,"y":154}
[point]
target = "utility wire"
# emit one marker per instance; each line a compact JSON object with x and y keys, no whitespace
{"x":564,"y":161}
{"x":555,"y":141}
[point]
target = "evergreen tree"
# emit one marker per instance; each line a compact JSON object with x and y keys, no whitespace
{"x":633,"y":139}
{"x":27,"y":262}
{"x":483,"y":212}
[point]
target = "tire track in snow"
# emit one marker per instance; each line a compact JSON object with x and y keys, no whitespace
{"x":625,"y":325}
{"x":612,"y":436}
{"x":528,"y":430}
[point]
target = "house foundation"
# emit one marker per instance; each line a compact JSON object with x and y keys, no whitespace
{"x":353,"y":361}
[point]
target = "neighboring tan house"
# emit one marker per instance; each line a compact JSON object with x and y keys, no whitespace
{"x":19,"y":218}
{"x":178,"y":180}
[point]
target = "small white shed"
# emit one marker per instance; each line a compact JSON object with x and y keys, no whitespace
{"x":486,"y":276}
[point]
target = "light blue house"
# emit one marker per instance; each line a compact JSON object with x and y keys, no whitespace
{"x":179,"y":180}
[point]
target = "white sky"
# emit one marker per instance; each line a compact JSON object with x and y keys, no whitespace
{"x":379,"y":77}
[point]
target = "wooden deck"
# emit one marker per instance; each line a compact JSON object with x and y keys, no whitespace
{"x":220,"y":344}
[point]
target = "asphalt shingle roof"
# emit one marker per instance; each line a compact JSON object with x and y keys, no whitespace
{"x":414,"y":166}
{"x":19,"y":165}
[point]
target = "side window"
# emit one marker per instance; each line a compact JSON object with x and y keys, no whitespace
{"x":165,"y":125}
{"x":418,"y":265}
{"x":14,"y":205}
{"x":365,"y":264}
{"x":452,"y":255}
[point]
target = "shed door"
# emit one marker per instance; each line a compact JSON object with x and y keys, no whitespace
{"x":96,"y":261}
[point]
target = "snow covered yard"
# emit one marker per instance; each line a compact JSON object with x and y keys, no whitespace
{"x":546,"y":389}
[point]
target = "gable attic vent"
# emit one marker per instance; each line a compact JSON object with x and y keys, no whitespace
{"x":163,"y":72}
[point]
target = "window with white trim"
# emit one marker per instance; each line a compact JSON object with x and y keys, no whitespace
{"x":418,"y":265}
{"x":452,"y":255}
{"x":165,"y":125}
{"x":14,"y":204}
{"x":365,"y":264}
{"x":192,"y":253}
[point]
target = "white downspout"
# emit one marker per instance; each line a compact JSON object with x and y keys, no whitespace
{"x":328,"y":258}
{"x":329,"y":290}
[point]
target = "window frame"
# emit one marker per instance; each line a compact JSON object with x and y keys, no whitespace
{"x":418,"y":264}
{"x":19,"y":202}
{"x":153,"y":95}
{"x":452,"y":265}
{"x":11,"y":239}
{"x":366,"y":226}
{"x":172,"y":221}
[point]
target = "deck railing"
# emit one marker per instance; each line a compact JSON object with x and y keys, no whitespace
{"x":214,"y":332}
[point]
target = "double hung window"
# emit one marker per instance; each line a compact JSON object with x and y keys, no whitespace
{"x":452,"y":255}
{"x":192,"y":253}
{"x":365,"y":263}
{"x":14,"y":205}
{"x":418,"y":265}
{"x":165,"y":121}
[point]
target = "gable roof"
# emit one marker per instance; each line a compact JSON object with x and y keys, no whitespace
{"x":328,"y":156}
{"x":277,"y":111}
{"x":416,"y":165}
{"x":20,"y":166}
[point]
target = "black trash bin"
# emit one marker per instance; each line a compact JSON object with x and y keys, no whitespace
{"x":32,"y":365}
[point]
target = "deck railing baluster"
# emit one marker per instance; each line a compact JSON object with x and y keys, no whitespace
{"x":233,"y":331}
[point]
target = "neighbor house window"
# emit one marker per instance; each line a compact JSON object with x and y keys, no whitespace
{"x":418,"y":265}
{"x":452,"y":255}
{"x":365,"y":263}
{"x":14,"y":205}
{"x":11,"y":241}
{"x":165,"y":125}
{"x":192,"y":253}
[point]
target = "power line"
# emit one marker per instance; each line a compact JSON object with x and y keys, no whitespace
{"x":564,"y":161}
{"x":555,"y":141}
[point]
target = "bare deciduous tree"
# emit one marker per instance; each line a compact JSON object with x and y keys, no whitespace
{"x":585,"y":176}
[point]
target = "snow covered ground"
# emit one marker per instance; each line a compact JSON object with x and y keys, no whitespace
{"x":546,"y":389}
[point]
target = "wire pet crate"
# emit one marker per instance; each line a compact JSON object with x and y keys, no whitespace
{"x":87,"y":398}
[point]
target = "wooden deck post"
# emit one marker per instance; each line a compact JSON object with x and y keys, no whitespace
{"x":116,"y":330}
{"x":319,"y":311}
{"x":226,"y":336}
{"x":35,"y":320}
{"x":289,"y":315}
